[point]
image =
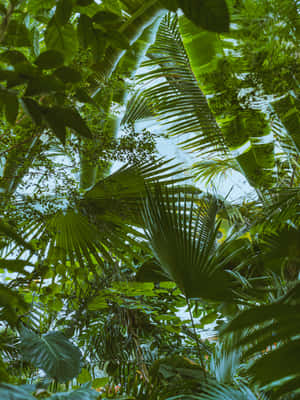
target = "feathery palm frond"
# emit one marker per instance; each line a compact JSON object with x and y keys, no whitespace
{"x":224,"y":363}
{"x":209,"y":170}
{"x":173,"y":95}
{"x":214,"y":391}
{"x":182,"y":232}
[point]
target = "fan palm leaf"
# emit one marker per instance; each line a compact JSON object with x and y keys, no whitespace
{"x":182,"y":231}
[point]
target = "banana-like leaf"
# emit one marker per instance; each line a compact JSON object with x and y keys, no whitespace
{"x":53,"y":353}
{"x":173,"y":94}
{"x":182,"y":231}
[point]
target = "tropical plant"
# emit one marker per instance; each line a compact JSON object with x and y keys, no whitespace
{"x":108,"y":278}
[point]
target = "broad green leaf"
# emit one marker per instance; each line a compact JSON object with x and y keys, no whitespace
{"x":73,"y":120}
{"x":85,"y":31}
{"x":55,"y":120}
{"x":50,"y":59}
{"x":107,"y":19}
{"x":61,"y":38}
{"x":13,"y":392}
{"x":17,"y":34}
{"x":63,"y":11}
{"x":67,"y":74}
{"x":11,"y":107}
{"x":12,"y":57}
{"x":53,"y":353}
{"x":45,"y":84}
{"x":33,"y":109}
{"x":212,"y":15}
{"x":200,"y":45}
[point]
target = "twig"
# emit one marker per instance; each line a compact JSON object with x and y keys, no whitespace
{"x":6,"y":19}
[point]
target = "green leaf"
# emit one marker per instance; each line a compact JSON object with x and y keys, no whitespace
{"x":58,"y":118}
{"x":14,"y":265}
{"x":11,"y":107}
{"x":55,"y":120}
{"x":118,"y":40}
{"x":200,"y":45}
{"x":13,"y":392}
{"x":83,"y":96}
{"x":84,"y":376}
{"x":67,"y":74}
{"x":33,"y":109}
{"x":84,"y":393}
{"x":17,"y":34}
{"x":12,"y":57}
{"x":85,"y":31}
{"x":61,"y":38}
{"x":12,"y":305}
{"x":100,"y":382}
{"x":50,"y":59}
{"x":9,"y":231}
{"x":84,"y":3}
{"x":36,"y":41}
{"x":63,"y":11}
{"x":107,"y":19}
{"x":53,"y":353}
{"x":73,"y":120}
{"x":212,"y":15}
{"x":43,"y":85}
{"x":209,"y":318}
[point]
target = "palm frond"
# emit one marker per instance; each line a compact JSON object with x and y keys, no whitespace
{"x":210,"y":170}
{"x":224,"y":363}
{"x":182,"y":231}
{"x":173,"y":94}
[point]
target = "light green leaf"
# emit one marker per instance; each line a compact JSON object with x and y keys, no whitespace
{"x":84,"y":376}
{"x":61,"y":38}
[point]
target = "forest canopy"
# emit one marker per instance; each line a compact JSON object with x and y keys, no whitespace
{"x":116,"y":259}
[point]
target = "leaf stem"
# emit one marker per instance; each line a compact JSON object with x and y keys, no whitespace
{"x":196,"y":338}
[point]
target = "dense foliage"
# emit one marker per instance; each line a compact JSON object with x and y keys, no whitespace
{"x":108,"y":279}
